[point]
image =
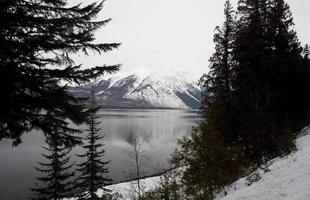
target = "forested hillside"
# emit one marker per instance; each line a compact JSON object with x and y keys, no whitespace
{"x":256,"y":98}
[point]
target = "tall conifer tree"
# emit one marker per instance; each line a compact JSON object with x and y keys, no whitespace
{"x":93,"y":170}
{"x":220,"y":75}
{"x":218,"y":99}
{"x":254,"y":79}
{"x":56,"y":180}
{"x":306,"y":83}
{"x":286,"y":65}
{"x":210,"y":164}
{"x":37,"y":40}
{"x":253,"y":118}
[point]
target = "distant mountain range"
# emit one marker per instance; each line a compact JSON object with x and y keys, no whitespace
{"x":145,"y":90}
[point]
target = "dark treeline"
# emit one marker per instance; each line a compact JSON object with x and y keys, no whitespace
{"x":257,"y":97}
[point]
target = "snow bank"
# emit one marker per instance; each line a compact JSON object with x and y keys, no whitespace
{"x":125,"y":189}
{"x":288,"y":178}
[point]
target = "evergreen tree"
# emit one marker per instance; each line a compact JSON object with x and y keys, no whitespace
{"x":55,"y":183}
{"x":37,"y":40}
{"x":220,"y":75}
{"x":306,"y":83}
{"x":211,"y":165}
{"x":248,"y":53}
{"x":218,"y":99}
{"x":287,"y":65}
{"x":250,"y":49}
{"x":256,"y":77}
{"x":257,"y":96}
{"x":93,"y":170}
{"x":306,"y":56}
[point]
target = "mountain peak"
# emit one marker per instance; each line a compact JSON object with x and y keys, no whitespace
{"x":145,"y":88}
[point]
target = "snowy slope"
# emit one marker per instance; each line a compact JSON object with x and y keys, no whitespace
{"x":288,"y":178}
{"x":145,"y":89}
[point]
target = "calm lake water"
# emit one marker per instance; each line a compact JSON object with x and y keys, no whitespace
{"x":160,"y":130}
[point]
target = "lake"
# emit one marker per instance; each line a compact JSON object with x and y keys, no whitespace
{"x":159,"y":129}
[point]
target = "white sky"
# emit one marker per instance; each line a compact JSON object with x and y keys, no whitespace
{"x":170,"y":34}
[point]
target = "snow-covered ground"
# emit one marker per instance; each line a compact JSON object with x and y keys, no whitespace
{"x":288,"y":178}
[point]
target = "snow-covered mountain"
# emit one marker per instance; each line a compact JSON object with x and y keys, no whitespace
{"x":145,"y":90}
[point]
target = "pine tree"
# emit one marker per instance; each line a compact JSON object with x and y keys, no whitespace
{"x":307,"y":81}
{"x":211,"y":165}
{"x":56,"y":181}
{"x":254,"y":78}
{"x":93,"y":170}
{"x":286,"y":64}
{"x":37,"y":40}
{"x":250,"y":49}
{"x":257,"y":96}
{"x":220,"y":75}
{"x":306,"y":56}
{"x":218,"y":99}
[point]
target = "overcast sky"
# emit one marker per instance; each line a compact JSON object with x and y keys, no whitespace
{"x":170,"y":34}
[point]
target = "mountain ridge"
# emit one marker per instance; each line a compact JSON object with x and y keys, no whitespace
{"x":152,"y":90}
